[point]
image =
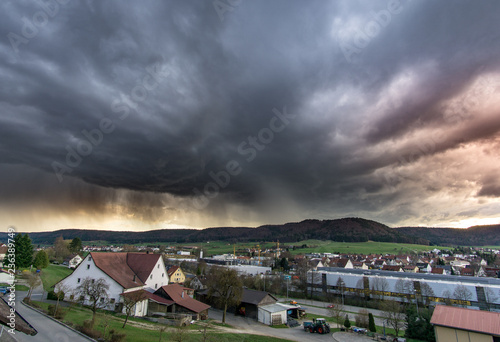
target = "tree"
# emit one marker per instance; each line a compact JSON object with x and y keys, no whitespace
{"x":75,"y":246}
{"x":462,"y":293}
{"x":418,"y":326}
{"x":60,"y":291}
{"x":362,"y":318}
{"x":340,"y":285}
{"x":381,"y":285}
{"x":224,"y":287}
{"x":426,"y":292}
{"x":447,"y":297}
{"x":284,"y":264}
{"x":130,"y":299}
{"x":490,"y":297}
{"x":393,"y":314}
{"x":301,"y":273}
{"x":41,"y":260}
{"x":61,"y":250}
{"x":347,"y":323}
{"x":371,"y":323}
{"x":33,"y":280}
{"x":337,"y":310}
{"x":96,"y":291}
{"x":23,"y":250}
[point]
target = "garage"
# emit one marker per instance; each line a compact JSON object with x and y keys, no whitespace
{"x":274,"y":314}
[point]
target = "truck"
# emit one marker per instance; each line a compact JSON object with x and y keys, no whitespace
{"x":318,"y":325}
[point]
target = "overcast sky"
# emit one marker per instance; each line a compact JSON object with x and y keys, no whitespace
{"x":138,"y":115}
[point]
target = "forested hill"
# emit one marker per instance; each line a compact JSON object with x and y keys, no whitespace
{"x":346,"y":229}
{"x":472,"y":236}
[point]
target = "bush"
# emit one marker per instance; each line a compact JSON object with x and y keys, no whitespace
{"x":85,"y":329}
{"x":115,"y":336}
{"x":52,"y":295}
{"x":362,"y":318}
{"x":347,"y":323}
{"x":59,"y":314}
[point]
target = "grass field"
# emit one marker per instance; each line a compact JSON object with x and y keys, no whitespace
{"x":138,"y":330}
{"x":318,"y":246}
{"x":52,"y":275}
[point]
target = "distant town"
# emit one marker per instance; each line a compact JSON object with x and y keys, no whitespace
{"x":268,"y":283}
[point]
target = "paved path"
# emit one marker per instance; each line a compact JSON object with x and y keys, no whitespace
{"x":48,"y":330}
{"x":251,"y":326}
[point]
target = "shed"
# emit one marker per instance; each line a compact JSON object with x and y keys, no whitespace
{"x":274,"y":314}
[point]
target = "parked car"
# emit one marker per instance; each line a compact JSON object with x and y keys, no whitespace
{"x":4,"y":290}
{"x":331,"y":306}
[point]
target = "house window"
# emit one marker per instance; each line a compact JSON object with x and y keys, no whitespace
{"x":93,"y":280}
{"x":78,"y":281}
{"x":82,"y":297}
{"x":151,"y":276}
{"x":156,"y":286}
{"x":101,"y":299}
{"x":71,"y":297}
{"x":88,"y":267}
{"x":158,"y":266}
{"x":162,"y":275}
{"x":112,"y":300}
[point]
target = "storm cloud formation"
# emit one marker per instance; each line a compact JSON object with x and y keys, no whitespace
{"x":136,"y":115}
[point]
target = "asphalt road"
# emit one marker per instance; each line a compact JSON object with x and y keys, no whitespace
{"x":251,"y":326}
{"x":48,"y":330}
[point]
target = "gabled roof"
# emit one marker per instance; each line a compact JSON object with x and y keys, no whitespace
{"x":437,"y":270}
{"x":142,"y":264}
{"x":485,"y":322}
{"x":172,"y":270}
{"x":150,"y":296}
{"x":127,"y":269}
{"x":254,"y":296}
{"x":175,"y":293}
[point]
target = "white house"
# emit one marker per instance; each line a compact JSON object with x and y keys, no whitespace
{"x":73,"y":261}
{"x":123,"y":272}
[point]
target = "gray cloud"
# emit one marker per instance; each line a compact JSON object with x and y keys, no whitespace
{"x":182,"y":90}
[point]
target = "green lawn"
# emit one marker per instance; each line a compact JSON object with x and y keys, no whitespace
{"x":52,"y":274}
{"x":149,"y":332}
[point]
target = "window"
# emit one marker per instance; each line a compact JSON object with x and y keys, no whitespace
{"x":71,"y":297}
{"x":101,"y":299}
{"x":156,"y":286}
{"x":78,"y":280}
{"x":112,"y":300}
{"x":162,"y":275}
{"x":93,"y":280}
{"x":82,"y":297}
{"x":158,"y":266}
{"x":151,"y":276}
{"x":88,"y":266}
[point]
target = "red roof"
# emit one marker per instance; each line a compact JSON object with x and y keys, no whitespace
{"x":127,"y":269}
{"x":150,"y":296}
{"x":172,"y":270}
{"x":175,"y":293}
{"x":485,"y":322}
{"x":437,"y":270}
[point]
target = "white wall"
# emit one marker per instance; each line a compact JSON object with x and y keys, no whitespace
{"x":158,"y":276}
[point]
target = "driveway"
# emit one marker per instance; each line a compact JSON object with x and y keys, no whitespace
{"x":251,"y":326}
{"x":48,"y":330}
{"x":350,"y":337}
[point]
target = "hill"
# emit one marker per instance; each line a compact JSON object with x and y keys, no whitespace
{"x":343,"y":230}
{"x":472,"y":236}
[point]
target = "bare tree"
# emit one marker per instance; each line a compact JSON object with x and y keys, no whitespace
{"x":462,"y":293}
{"x":337,"y":311}
{"x":224,"y":287}
{"x":426,"y":291}
{"x":97,"y":293}
{"x":393,"y":314}
{"x":381,"y":285}
{"x":490,"y":297}
{"x":33,"y":281}
{"x":340,"y":286}
{"x":362,"y":318}
{"x":130,"y":300}
{"x":447,"y":297}
{"x":301,"y":273}
{"x":60,"y":291}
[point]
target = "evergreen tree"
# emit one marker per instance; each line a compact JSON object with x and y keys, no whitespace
{"x":371,"y":323}
{"x":41,"y":260}
{"x":24,"y":250}
{"x":347,"y":323}
{"x":75,"y":246}
{"x":284,"y":264}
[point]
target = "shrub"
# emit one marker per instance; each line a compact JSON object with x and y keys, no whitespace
{"x":59,"y":314}
{"x":52,"y":295}
{"x":371,"y":323}
{"x":347,"y":323}
{"x":115,"y":336}
{"x":362,"y":318}
{"x":87,"y":330}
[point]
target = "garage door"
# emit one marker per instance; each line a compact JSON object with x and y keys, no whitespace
{"x":276,"y":319}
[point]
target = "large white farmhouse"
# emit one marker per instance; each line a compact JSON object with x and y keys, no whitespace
{"x":123,"y":272}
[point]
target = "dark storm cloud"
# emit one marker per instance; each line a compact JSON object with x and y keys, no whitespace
{"x":170,"y":91}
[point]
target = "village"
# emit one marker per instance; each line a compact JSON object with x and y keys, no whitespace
{"x":179,"y":285}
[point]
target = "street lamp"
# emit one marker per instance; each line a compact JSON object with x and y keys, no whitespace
{"x":342,"y":284}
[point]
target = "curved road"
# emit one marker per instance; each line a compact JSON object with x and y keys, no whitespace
{"x":48,"y":330}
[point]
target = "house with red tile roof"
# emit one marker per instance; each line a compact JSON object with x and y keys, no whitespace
{"x":392,"y":268}
{"x":176,"y":275}
{"x":179,"y":301}
{"x":123,"y":272}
